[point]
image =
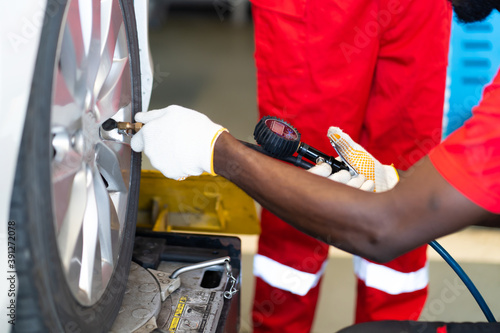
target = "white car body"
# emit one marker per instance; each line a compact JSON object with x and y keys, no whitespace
{"x":20,"y":25}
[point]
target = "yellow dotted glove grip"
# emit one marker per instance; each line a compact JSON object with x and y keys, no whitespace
{"x":359,"y":160}
{"x":385,"y":177}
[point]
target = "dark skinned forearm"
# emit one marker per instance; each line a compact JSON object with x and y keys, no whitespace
{"x":378,"y":226}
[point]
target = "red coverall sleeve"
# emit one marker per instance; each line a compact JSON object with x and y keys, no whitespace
{"x":469,"y":159}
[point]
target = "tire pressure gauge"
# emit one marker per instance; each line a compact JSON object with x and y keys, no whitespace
{"x":277,"y":137}
{"x":281,"y":140}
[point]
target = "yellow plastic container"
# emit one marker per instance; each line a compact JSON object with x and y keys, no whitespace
{"x":203,"y":203}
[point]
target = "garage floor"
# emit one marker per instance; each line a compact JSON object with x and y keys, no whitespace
{"x":203,"y":60}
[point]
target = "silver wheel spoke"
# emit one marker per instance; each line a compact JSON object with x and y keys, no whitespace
{"x":73,"y":46}
{"x":73,"y":219}
{"x":69,"y":82}
{"x":105,"y":214}
{"x":63,"y":189}
{"x":115,"y":92}
{"x":109,"y":166}
{"x":66,"y":110}
{"x":111,"y":28}
{"x":90,"y":227}
{"x":94,"y":52}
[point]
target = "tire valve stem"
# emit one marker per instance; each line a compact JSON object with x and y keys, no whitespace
{"x":125,"y":128}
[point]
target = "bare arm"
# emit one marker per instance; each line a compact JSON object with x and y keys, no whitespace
{"x":422,"y":207}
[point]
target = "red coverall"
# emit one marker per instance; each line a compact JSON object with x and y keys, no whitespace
{"x":376,"y":69}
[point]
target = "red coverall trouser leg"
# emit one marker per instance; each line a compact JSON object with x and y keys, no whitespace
{"x":376,"y":69}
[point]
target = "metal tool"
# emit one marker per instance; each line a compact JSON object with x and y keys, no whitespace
{"x":125,"y":128}
{"x":203,"y":264}
{"x":208,"y":263}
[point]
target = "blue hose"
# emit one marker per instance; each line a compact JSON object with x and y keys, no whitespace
{"x":466,"y":280}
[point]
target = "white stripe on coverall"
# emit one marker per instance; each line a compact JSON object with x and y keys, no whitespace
{"x":389,"y":280}
{"x":284,"y":277}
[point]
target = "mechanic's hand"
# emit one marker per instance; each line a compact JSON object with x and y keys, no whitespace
{"x":385,"y":177}
{"x":350,"y":178}
{"x":179,"y":142}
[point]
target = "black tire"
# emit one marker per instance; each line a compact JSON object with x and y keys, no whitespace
{"x":44,"y":301}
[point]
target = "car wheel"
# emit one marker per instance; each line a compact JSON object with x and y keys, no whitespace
{"x":76,"y":188}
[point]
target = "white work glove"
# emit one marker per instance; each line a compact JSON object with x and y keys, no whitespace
{"x":179,"y":142}
{"x":349,"y":178}
{"x":361,"y":162}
